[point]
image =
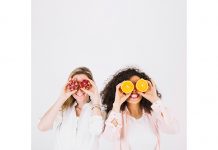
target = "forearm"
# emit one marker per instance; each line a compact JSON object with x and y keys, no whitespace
{"x":96,"y":107}
{"x":113,"y":126}
{"x":165,"y":120}
{"x":97,"y":122}
{"x":46,"y":122}
{"x":116,"y":107}
{"x":96,"y":111}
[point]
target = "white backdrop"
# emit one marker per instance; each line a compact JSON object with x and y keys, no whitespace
{"x":106,"y":36}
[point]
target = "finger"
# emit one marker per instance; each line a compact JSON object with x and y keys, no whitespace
{"x":127,"y":95}
{"x":153,"y":82}
{"x":69,"y":92}
{"x":150,"y":86}
{"x":65,"y":87}
{"x":93,"y":84}
{"x":142,"y":94}
{"x":70,"y":79}
{"x":73,"y":92}
{"x":86,"y":91}
{"x":118,"y":86}
{"x":91,"y":81}
{"x":67,"y":83}
{"x":124,"y":98}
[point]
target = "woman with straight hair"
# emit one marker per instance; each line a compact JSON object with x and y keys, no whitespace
{"x":76,"y":116}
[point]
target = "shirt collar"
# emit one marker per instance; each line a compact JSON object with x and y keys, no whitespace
{"x":126,"y":111}
{"x":86,"y":105}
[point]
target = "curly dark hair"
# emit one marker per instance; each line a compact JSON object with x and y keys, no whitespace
{"x":108,"y":93}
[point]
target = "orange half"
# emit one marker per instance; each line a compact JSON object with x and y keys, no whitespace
{"x":142,"y":85}
{"x":127,"y":87}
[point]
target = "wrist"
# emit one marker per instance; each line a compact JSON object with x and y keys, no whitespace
{"x":116,"y":107}
{"x":155,"y":99}
{"x":61,"y":99}
{"x":96,"y":106}
{"x":95,"y":100}
{"x":58,"y":104}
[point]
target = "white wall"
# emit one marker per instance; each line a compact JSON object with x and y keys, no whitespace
{"x":106,"y":36}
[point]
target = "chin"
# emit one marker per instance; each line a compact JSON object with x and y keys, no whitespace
{"x":81,"y":98}
{"x":133,"y":101}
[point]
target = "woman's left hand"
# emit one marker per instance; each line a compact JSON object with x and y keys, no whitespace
{"x":93,"y":92}
{"x":151,"y":93}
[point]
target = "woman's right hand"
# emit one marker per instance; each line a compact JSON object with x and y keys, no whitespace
{"x":120,"y":98}
{"x":47,"y":121}
{"x":66,"y":93}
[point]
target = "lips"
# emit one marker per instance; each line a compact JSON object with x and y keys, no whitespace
{"x":80,"y":95}
{"x":134,"y":95}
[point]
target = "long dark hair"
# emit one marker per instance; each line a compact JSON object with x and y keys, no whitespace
{"x":108,"y":93}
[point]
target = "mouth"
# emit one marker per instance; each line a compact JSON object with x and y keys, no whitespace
{"x":80,"y":94}
{"x":134,"y":96}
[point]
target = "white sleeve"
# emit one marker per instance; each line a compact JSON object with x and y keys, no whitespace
{"x":96,"y":125}
{"x":58,"y":120}
{"x":165,"y":121}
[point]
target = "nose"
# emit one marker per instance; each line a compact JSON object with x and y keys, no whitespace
{"x":134,"y":90}
{"x":79,"y":91}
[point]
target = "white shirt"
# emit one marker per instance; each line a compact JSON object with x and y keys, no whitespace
{"x":78,"y":133}
{"x":140,"y":135}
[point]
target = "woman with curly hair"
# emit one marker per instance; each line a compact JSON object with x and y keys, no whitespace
{"x":76,"y":116}
{"x":134,"y":120}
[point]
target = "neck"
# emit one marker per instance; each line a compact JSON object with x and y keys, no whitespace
{"x":135,"y":110}
{"x":79,"y":107}
{"x":80,"y":104}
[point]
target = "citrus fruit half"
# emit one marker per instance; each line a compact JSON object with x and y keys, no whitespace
{"x":127,"y":87}
{"x":142,"y":85}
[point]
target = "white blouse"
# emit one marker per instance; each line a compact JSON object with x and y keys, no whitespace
{"x":140,"y":135}
{"x":78,"y":133}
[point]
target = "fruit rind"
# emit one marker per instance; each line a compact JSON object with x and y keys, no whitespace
{"x":127,"y":87}
{"x":142,"y":85}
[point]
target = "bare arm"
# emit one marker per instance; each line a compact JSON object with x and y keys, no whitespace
{"x":95,"y":98}
{"x":96,"y":122}
{"x":165,"y":121}
{"x":46,"y":122}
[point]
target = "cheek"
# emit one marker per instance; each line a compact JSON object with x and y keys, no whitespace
{"x":74,"y":96}
{"x":86,"y":96}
